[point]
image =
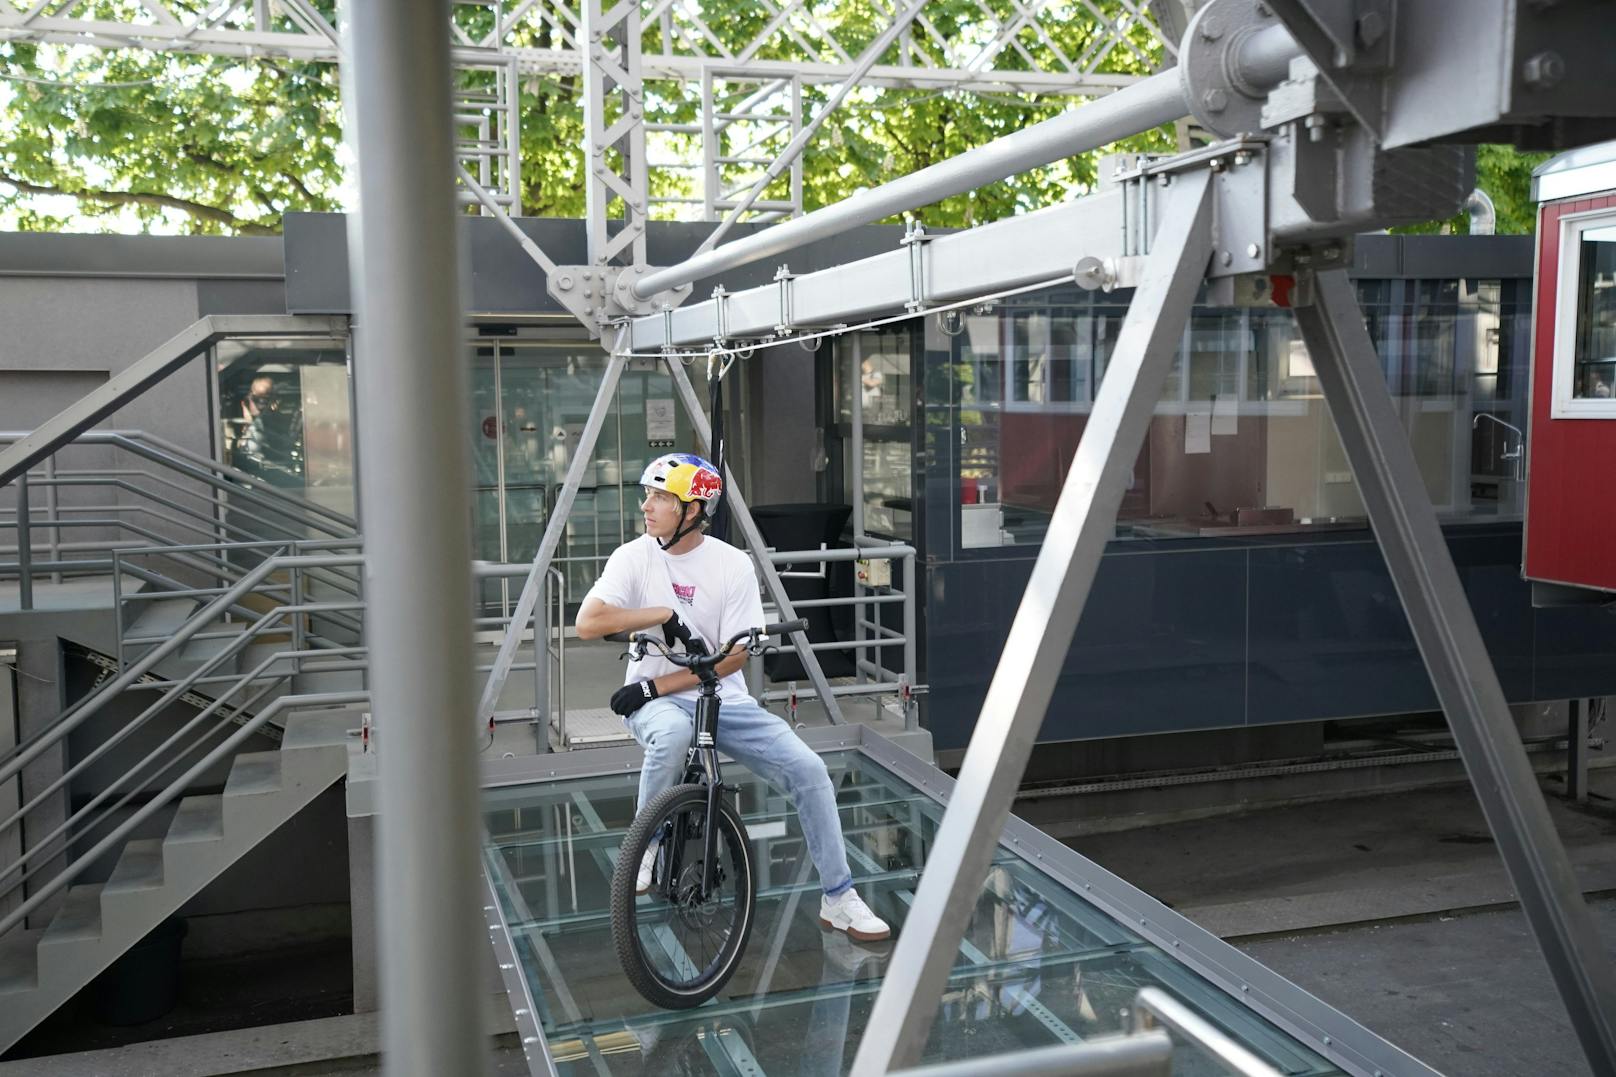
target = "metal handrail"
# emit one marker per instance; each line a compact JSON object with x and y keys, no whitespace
{"x":1153,"y":1006}
{"x":30,"y":750}
{"x":137,"y":441}
{"x":171,"y":792}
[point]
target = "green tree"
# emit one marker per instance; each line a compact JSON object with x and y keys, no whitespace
{"x":214,"y":145}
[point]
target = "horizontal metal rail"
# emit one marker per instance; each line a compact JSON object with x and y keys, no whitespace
{"x":1153,"y":1007}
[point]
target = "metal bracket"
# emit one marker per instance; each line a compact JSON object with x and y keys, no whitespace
{"x":916,"y":239}
{"x":598,"y":296}
{"x":783,"y":277}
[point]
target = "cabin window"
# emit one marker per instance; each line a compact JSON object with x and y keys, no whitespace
{"x":1585,"y":319}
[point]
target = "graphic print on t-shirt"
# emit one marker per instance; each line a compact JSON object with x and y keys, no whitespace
{"x":684,"y":594}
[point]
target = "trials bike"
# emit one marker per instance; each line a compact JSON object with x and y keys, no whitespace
{"x":680,"y":942}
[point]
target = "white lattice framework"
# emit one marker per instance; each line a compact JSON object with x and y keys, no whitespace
{"x":1012,"y":45}
{"x":653,"y":58}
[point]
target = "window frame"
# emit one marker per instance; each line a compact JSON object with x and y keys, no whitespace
{"x":1562,"y":404}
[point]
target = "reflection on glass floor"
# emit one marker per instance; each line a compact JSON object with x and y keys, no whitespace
{"x":1039,"y":965}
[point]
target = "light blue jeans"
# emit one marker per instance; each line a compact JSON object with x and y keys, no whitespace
{"x":765,"y":745}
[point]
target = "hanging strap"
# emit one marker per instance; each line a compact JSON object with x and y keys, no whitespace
{"x":719,"y":526}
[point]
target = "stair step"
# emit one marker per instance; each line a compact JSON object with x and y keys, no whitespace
{"x":199,"y":818}
{"x":79,"y":917}
{"x":322,"y":729}
{"x":19,"y":961}
{"x":139,"y":868}
{"x":254,"y":773}
{"x":161,"y":616}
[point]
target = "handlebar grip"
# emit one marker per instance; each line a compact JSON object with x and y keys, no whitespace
{"x":785,"y":628}
{"x":621,"y":637}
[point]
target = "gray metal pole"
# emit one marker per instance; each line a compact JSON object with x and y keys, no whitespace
{"x":1018,"y":696}
{"x":25,"y":547}
{"x":412,"y":371}
{"x":1462,"y":674}
{"x":1140,"y":107}
{"x":583,"y":456}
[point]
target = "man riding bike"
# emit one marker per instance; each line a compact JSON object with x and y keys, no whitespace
{"x":697,"y":588}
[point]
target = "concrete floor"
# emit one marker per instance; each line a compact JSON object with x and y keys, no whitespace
{"x":1394,"y":909}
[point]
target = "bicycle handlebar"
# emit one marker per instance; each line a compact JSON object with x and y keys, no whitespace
{"x":642,"y":640}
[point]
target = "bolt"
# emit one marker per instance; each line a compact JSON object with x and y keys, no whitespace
{"x":1226,"y":258}
{"x":1315,"y":128}
{"x":1242,"y":157}
{"x":1332,"y":253}
{"x":564,"y":282}
{"x":1253,"y":251}
{"x":1371,"y":28}
{"x":1210,"y":30}
{"x":1165,"y":180}
{"x":1215,"y":100}
{"x":1544,"y":70}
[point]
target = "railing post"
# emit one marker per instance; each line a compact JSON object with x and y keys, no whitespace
{"x":298,"y":631}
{"x":541,"y":669}
{"x":117,"y":608}
{"x":909,"y":721}
{"x":52,"y":515}
{"x":25,"y":552}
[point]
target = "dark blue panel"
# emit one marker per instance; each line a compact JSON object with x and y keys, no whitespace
{"x":1160,"y":646}
{"x":1329,"y":638}
{"x":1576,"y":652}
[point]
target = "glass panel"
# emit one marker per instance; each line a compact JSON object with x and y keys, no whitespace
{"x":1594,"y":353}
{"x":1241,"y":442}
{"x":885,"y":387}
{"x":284,"y":417}
{"x":487,"y":538}
{"x":1039,"y":965}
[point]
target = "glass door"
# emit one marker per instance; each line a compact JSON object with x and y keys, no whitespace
{"x":531,"y":401}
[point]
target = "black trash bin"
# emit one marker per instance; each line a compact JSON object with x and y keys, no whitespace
{"x":805,"y":526}
{"x":144,"y":983}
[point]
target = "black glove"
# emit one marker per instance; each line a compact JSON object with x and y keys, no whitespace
{"x":632,"y":696}
{"x":674,"y":631}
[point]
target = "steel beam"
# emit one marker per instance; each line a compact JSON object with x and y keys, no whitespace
{"x":1018,"y":696}
{"x":754,"y":542}
{"x":1024,"y":249}
{"x":1142,"y":106}
{"x":1462,"y":674}
{"x":554,"y":528}
{"x":410,"y":359}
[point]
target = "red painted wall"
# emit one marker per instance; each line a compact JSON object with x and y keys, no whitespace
{"x":1571,"y":482}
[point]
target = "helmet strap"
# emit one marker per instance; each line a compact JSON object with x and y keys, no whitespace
{"x":683,"y":529}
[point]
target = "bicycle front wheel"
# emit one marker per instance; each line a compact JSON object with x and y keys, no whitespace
{"x":679,"y":946}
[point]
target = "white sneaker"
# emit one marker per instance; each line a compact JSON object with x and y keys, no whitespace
{"x":642,"y":883}
{"x":847,"y":912}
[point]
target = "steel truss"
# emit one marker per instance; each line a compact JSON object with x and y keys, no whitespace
{"x":620,"y":48}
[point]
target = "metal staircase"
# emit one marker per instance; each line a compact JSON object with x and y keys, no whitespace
{"x":154,"y":877}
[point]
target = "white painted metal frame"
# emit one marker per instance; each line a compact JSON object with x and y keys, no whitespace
{"x":1568,"y":281}
{"x":614,"y":125}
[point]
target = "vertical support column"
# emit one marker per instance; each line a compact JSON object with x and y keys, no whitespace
{"x":1577,"y":749}
{"x":413,"y":372}
{"x":614,"y":121}
{"x":1462,"y":674}
{"x":1018,"y":696}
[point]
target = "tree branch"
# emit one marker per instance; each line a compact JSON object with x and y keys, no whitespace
{"x":139,"y":198}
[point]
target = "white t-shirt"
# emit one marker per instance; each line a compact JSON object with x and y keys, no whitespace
{"x":712,"y":588}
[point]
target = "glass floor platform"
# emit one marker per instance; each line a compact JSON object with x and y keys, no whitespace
{"x":1050,"y":955}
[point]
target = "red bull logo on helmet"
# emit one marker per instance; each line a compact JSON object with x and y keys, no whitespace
{"x":704,"y":484}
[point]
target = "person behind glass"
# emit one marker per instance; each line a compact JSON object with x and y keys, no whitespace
{"x":691,"y":586}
